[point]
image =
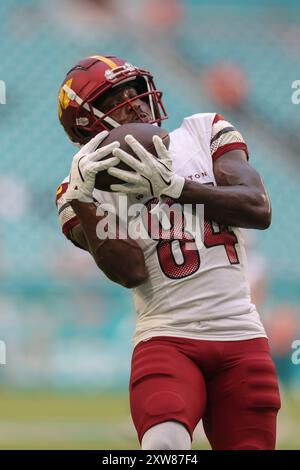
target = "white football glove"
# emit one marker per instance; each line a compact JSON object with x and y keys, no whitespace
{"x":152,"y":176}
{"x":86,"y":165}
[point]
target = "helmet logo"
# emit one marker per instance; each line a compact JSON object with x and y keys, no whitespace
{"x":63,"y":98}
{"x":83,"y":121}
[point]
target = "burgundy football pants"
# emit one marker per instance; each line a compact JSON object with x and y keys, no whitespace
{"x":231,"y":385}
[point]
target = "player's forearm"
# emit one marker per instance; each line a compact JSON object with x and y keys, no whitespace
{"x":121,"y":260}
{"x":238,"y":206}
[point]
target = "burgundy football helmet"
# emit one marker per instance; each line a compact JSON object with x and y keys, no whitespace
{"x":88,"y":81}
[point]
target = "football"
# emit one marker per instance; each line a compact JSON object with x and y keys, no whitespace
{"x":143,"y":132}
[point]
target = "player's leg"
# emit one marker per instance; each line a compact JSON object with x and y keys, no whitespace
{"x":169,"y":435}
{"x":243,"y":398}
{"x":165,"y":387}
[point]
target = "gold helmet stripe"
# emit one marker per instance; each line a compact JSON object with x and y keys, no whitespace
{"x":107,"y":61}
{"x":63,"y":98}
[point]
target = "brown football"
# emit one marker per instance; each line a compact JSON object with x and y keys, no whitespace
{"x":143,"y":133}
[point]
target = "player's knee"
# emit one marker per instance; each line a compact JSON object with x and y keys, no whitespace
{"x":167,"y":436}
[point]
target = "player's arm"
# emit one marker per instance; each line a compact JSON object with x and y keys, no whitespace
{"x":239,"y":199}
{"x":121,"y":260}
{"x":129,"y":273}
{"x":77,"y":236}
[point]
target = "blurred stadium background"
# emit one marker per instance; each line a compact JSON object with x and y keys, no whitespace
{"x":67,"y":330}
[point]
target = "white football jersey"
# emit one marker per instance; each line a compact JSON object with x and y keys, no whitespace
{"x":191,"y":293}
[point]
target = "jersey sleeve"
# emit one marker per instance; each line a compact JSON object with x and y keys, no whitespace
{"x":225,"y":137}
{"x":66,"y":215}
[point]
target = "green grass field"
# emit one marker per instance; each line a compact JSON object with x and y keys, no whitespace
{"x":40,"y":420}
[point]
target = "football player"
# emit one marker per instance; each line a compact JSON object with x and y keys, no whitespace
{"x":200,"y":349}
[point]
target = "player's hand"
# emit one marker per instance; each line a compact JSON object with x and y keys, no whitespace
{"x":86,"y":164}
{"x":152,"y":176}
